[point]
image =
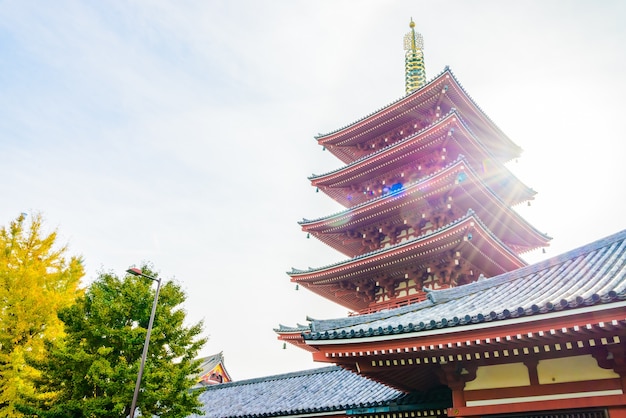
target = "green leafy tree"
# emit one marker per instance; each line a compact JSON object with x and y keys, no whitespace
{"x":95,"y":369}
{"x":36,"y":281}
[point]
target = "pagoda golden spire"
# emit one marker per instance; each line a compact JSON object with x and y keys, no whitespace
{"x":415,"y":71}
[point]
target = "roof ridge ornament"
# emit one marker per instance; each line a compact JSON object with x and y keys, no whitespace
{"x":415,"y":71}
{"x":430,"y":294}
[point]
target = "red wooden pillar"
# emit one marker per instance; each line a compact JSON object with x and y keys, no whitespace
{"x":531,"y":364}
{"x":618,"y":354}
{"x":617,"y":412}
{"x":454,"y":375}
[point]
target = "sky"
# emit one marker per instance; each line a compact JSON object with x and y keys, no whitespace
{"x":181,"y":133}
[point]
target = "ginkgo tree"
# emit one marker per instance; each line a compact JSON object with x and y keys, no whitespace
{"x":37,"y":280}
{"x":95,"y":369}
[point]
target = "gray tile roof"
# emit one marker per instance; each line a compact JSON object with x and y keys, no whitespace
{"x":312,"y":391}
{"x":594,"y":274}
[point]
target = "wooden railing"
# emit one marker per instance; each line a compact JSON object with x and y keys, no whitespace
{"x":396,"y":303}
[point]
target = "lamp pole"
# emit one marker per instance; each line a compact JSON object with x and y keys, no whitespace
{"x":139,"y":273}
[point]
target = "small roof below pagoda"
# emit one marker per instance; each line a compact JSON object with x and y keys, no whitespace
{"x":212,"y":371}
{"x":317,"y":391}
{"x":591,"y":276}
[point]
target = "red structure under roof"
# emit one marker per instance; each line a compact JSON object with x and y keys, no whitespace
{"x":534,"y":341}
{"x":445,"y":310}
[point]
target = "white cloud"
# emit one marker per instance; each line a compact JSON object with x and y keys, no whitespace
{"x":182,"y":133}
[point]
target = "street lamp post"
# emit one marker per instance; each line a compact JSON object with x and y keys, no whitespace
{"x":138,"y":272}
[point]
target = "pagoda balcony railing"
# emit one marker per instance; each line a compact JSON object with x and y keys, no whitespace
{"x":391,"y":304}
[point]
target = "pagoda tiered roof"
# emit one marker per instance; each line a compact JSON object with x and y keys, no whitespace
{"x":456,"y":184}
{"x":419,"y":176}
{"x":467,"y":235}
{"x":411,"y":157}
{"x":441,"y":94}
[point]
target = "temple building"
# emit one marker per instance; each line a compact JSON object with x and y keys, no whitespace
{"x":447,"y":319}
{"x":212,"y":371}
{"x":544,"y":341}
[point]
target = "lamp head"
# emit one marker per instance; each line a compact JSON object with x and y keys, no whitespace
{"x":135,"y":271}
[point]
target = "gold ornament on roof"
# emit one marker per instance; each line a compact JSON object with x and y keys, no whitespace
{"x":415,"y":70}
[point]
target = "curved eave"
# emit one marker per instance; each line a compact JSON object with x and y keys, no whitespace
{"x":351,"y":134}
{"x":293,"y":336}
{"x":285,"y":329}
{"x":451,"y":125}
{"x":399,"y":112}
{"x":478,"y":196}
{"x":495,"y":258}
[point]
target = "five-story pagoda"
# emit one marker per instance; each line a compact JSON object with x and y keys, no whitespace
{"x":427,"y":195}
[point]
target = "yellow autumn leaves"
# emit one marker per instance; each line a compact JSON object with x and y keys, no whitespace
{"x":37,"y":279}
